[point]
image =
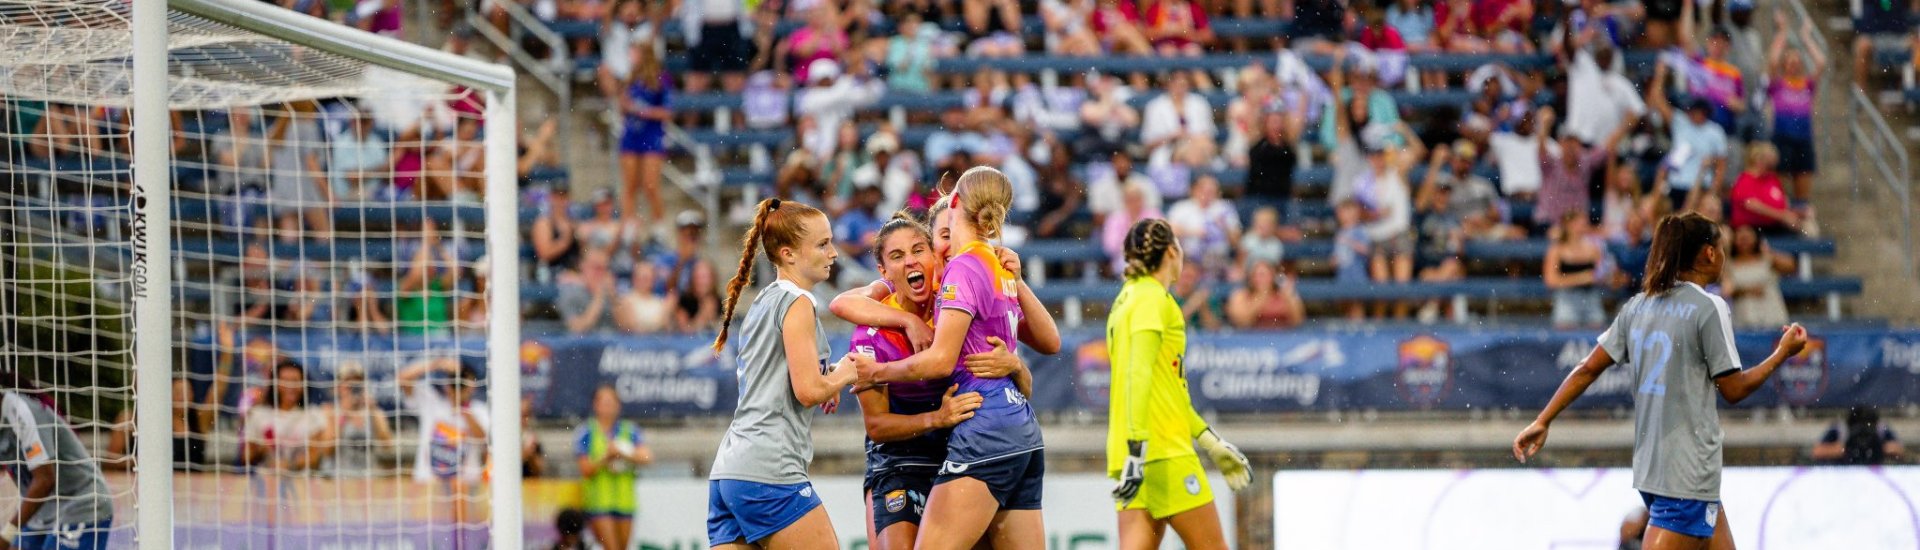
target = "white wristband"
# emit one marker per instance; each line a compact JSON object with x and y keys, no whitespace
{"x":10,"y":533}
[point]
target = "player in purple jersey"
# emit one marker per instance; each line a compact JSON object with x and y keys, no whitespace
{"x":907,"y":422}
{"x":989,"y":483}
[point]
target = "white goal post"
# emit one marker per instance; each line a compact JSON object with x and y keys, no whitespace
{"x":152,"y":95}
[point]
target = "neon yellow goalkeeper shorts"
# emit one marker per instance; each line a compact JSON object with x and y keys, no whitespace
{"x":1172,"y":486}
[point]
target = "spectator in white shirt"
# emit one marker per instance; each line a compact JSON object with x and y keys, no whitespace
{"x":831,"y":98}
{"x":1598,"y":99}
{"x":1178,"y":124}
{"x":1518,"y":158}
{"x":1104,"y":194}
{"x":289,"y":434}
{"x":1207,"y":227}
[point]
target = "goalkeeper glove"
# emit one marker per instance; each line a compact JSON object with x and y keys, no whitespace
{"x":1132,"y":473}
{"x":1232,"y":463}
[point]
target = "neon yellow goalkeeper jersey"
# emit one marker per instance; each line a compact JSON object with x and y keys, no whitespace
{"x":1146,"y":342}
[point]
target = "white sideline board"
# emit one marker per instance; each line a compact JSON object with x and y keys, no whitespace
{"x":1784,"y":508}
{"x":1078,"y":510}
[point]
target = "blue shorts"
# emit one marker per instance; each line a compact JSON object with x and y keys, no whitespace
{"x":639,"y":140}
{"x":899,"y":495}
{"x":1014,"y":480}
{"x":1693,"y":518}
{"x":744,"y":511}
{"x":78,"y":536}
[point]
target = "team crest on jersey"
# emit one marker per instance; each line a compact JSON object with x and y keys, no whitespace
{"x":897,"y":500}
{"x":1425,"y":370}
{"x":806,"y":492}
{"x":1802,"y":380}
{"x":1193,"y":484}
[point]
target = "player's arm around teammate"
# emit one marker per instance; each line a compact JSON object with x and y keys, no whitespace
{"x":758,"y":493}
{"x":1159,"y":480}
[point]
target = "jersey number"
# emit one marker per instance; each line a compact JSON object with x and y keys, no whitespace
{"x":1657,"y":349}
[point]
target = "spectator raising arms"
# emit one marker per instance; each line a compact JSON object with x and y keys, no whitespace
{"x":1791,"y":92}
{"x":1698,"y":158}
{"x":453,"y":426}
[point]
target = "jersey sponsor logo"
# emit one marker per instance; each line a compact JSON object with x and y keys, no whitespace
{"x":1803,"y":378}
{"x":1193,"y":484}
{"x":897,"y":500}
{"x":1425,"y":370}
{"x":951,"y":467}
{"x":864,"y":350}
{"x":1013,"y":397}
{"x":949,"y":292}
{"x":1009,"y":288}
{"x":35,"y":451}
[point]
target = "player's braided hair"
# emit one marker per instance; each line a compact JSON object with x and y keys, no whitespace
{"x":1147,"y":245}
{"x":776,"y":224}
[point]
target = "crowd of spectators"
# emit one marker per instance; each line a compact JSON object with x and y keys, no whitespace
{"x":1582,"y":153}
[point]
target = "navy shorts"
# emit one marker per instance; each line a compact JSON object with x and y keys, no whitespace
{"x":899,"y":495}
{"x":1014,"y":480}
{"x":744,"y":511}
{"x":1796,"y":155}
{"x":1693,"y":518}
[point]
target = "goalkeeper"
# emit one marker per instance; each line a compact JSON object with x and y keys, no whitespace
{"x":1152,"y":425}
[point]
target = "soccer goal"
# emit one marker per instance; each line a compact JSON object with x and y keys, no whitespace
{"x":258,"y":281}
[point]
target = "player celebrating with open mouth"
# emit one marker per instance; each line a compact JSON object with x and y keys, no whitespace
{"x":990,"y":481}
{"x":1678,"y":339}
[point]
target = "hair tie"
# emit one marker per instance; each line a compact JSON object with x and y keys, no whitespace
{"x":774,"y":204}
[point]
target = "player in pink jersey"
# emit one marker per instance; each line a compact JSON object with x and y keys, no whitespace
{"x":990,"y":482}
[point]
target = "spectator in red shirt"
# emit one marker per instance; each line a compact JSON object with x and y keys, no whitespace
{"x":1117,"y":24}
{"x":1179,"y":28}
{"x":1758,"y":200}
{"x":1379,"y":36}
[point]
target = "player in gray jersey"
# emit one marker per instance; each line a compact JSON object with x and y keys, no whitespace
{"x":758,"y":494}
{"x":65,"y":503}
{"x":1678,"y":340}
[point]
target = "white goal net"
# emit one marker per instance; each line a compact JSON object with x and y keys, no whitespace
{"x":332,"y":324}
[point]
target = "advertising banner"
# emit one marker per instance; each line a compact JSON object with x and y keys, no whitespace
{"x":1308,"y":370}
{"x":1767,"y":508}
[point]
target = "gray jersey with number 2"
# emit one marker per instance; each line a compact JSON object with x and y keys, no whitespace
{"x":1676,"y":343}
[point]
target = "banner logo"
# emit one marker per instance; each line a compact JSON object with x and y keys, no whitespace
{"x":1425,"y":370}
{"x":1802,"y":380}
